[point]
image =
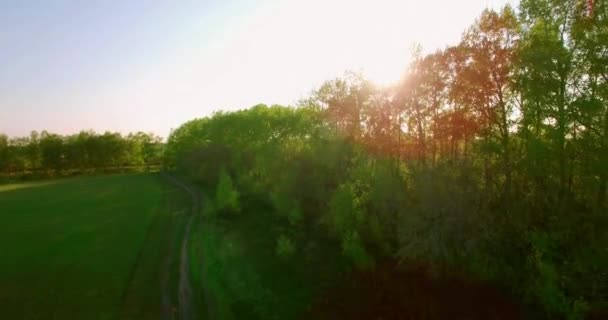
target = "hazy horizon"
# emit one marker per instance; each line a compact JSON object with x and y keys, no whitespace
{"x":152,"y":65}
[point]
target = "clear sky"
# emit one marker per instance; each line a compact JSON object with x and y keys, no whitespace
{"x":150,"y":65}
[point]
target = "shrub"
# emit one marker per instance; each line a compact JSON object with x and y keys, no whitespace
{"x":226,"y":196}
{"x":285,"y":247}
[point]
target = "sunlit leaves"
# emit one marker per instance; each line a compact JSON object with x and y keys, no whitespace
{"x":226,"y":195}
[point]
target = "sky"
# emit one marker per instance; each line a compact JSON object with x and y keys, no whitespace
{"x":151,"y":65}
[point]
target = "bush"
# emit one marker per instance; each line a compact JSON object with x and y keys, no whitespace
{"x":285,"y":247}
{"x":352,"y":247}
{"x":208,"y":208}
{"x":226,"y":196}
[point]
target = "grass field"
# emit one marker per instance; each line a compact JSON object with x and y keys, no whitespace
{"x":100,"y":247}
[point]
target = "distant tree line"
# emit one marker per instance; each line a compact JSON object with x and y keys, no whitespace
{"x":49,"y":153}
{"x":490,"y":156}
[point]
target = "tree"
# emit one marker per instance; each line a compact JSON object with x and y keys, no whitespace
{"x":52,"y":151}
{"x":548,"y":78}
{"x":491,"y":44}
{"x":589,"y":33}
{"x":344,"y":99}
{"x":415,"y":112}
{"x":4,"y":153}
{"x":33,"y":151}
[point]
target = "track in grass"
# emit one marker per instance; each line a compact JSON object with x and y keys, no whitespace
{"x":184,"y":298}
{"x":102,"y":247}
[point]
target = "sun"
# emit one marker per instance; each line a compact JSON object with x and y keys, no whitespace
{"x":383,"y":77}
{"x":385,"y":69}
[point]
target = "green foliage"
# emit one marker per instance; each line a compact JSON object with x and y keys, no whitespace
{"x":547,"y":283}
{"x":53,"y":154}
{"x":288,"y":208}
{"x":226,"y":196}
{"x":354,"y":250}
{"x":285,"y":247}
{"x":344,"y":213}
{"x":208,"y":209}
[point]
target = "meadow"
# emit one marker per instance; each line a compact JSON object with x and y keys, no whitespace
{"x":100,"y":247}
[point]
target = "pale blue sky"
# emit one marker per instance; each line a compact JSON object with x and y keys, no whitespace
{"x":150,"y":65}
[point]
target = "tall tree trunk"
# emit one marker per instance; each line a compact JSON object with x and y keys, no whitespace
{"x":421,"y":137}
{"x":421,"y":143}
{"x":399,"y":136}
{"x":603,"y":185}
{"x":561,"y":137}
{"x":506,"y":148}
{"x":435,"y":114}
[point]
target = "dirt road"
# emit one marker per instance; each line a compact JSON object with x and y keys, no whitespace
{"x":184,"y":297}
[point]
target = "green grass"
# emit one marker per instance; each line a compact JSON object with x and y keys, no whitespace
{"x":88,"y":247}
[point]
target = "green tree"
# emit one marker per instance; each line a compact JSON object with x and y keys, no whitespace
{"x":52,"y":152}
{"x":491,"y":44}
{"x":4,"y":153}
{"x":226,"y":196}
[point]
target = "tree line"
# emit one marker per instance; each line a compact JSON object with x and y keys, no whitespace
{"x":489,"y":157}
{"x":48,"y":153}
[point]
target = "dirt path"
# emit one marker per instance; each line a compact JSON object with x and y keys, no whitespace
{"x":185,"y":308}
{"x":185,"y":287}
{"x":184,"y":297}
